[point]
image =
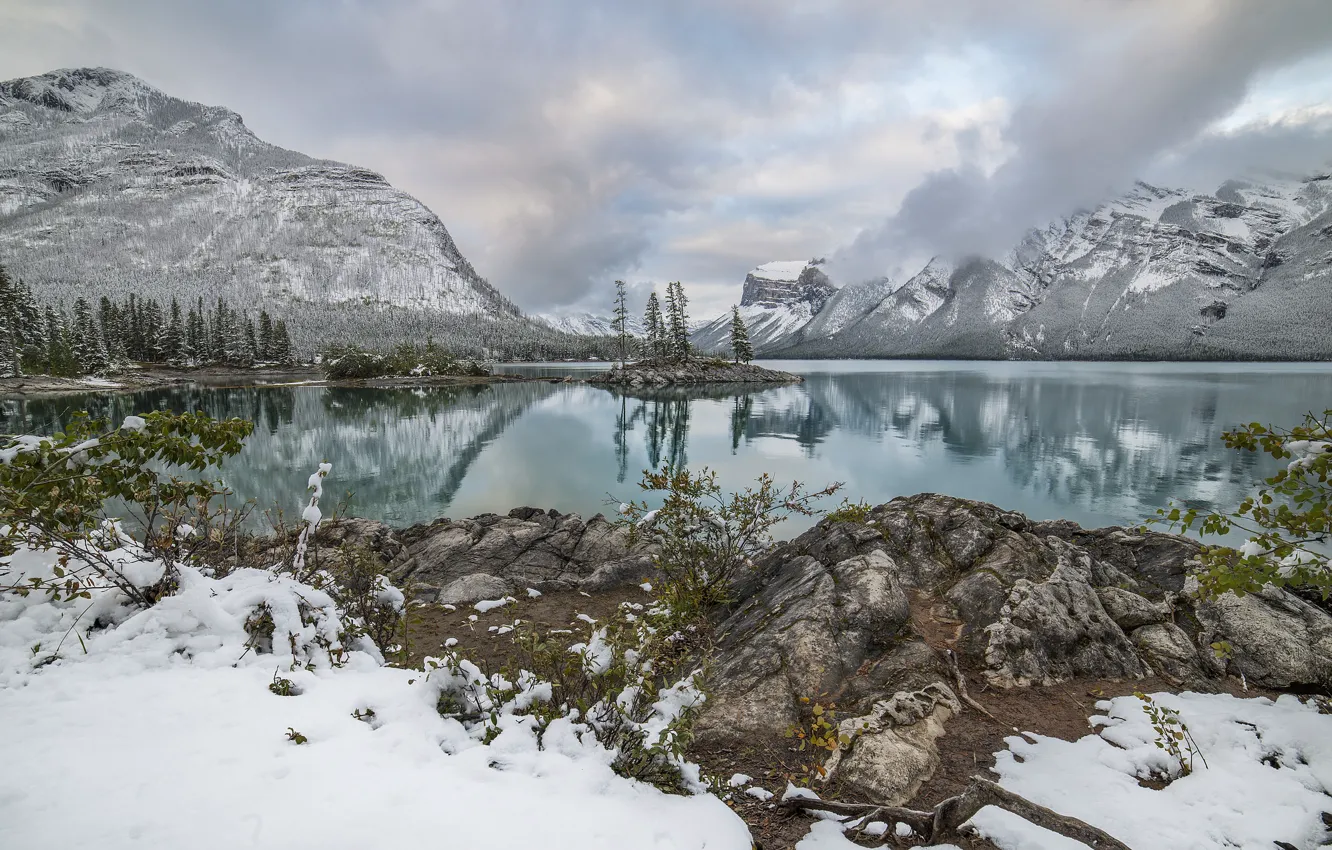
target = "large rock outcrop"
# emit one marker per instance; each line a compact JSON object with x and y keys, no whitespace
{"x":867,"y":613}
{"x":488,"y":556}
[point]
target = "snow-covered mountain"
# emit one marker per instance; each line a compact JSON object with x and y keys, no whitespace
{"x":1245,"y":273}
{"x":779,"y":298}
{"x":109,"y":186}
{"x":590,"y":324}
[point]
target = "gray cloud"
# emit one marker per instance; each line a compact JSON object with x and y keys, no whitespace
{"x":1152,"y":79}
{"x":570,"y":143}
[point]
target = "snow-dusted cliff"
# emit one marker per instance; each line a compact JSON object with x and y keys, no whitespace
{"x":1244,"y":273}
{"x":108,"y":185}
{"x":778,"y":299}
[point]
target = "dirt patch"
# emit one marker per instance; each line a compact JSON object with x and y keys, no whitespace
{"x":967,"y":750}
{"x":485,"y":641}
{"x":1055,"y":711}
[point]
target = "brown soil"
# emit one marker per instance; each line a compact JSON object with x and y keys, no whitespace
{"x":429,"y":626}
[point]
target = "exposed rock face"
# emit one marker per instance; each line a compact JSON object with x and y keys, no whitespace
{"x":778,"y":299}
{"x":485,"y":557}
{"x":664,"y":372}
{"x":864,"y":614}
{"x":545,"y":550}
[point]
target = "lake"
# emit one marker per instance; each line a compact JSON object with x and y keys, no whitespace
{"x":1099,"y":443}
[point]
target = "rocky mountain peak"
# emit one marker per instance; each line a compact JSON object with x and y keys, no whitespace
{"x":787,"y":282}
{"x":81,"y":91}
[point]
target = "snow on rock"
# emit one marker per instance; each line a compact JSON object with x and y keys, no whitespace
{"x":165,"y":734}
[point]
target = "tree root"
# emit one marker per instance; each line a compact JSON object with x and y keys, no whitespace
{"x":962,"y":686}
{"x":944,"y":822}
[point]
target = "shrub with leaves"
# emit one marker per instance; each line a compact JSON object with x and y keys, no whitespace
{"x":706,"y":536}
{"x":849,"y":511}
{"x":631,"y":685}
{"x":817,"y":735}
{"x":54,"y":493}
{"x":1288,"y":520}
{"x":1172,"y":734}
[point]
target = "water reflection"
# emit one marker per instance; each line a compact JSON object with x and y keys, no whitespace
{"x":1094,"y":444}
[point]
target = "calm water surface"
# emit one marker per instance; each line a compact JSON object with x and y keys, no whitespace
{"x":1096,"y":443}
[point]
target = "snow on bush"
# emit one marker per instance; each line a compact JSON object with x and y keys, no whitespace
{"x":158,"y":728}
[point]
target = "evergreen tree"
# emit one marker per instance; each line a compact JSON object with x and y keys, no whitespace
{"x":154,"y":332}
{"x":109,"y":321}
{"x":31,"y":330}
{"x":282,"y":351}
{"x":89,"y":351}
{"x":10,"y":351}
{"x":173,"y":337}
{"x":677,"y":319}
{"x":265,"y":336}
{"x":740,"y":347}
{"x":621,"y":323}
{"x":59,"y":358}
{"x":654,"y":327}
{"x":251,"y":352}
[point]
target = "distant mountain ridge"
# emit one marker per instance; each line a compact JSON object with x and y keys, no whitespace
{"x":1157,"y":273}
{"x":590,"y":324}
{"x":108,"y":185}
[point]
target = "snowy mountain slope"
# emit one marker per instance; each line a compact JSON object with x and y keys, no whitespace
{"x":106,"y":181}
{"x":589,"y":324}
{"x":779,"y":298}
{"x":1157,"y":273}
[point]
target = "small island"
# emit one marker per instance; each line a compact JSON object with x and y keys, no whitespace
{"x":676,"y":371}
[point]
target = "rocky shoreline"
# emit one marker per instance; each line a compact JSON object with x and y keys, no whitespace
{"x":665,"y":372}
{"x":911,"y":621}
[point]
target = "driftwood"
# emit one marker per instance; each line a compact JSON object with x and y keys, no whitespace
{"x":944,"y":822}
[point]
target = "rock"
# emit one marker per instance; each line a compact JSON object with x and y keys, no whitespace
{"x":473,"y":588}
{"x":1056,"y":629}
{"x":664,"y":371}
{"x":893,"y":748}
{"x":806,"y":632}
{"x":528,"y":548}
{"x":861,"y":611}
{"x":1129,"y":610}
{"x":1276,"y":639}
{"x":1168,"y":650}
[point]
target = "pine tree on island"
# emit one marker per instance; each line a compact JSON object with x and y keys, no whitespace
{"x":655,"y":327}
{"x":740,"y":347}
{"x":621,"y":323}
{"x":677,"y":320}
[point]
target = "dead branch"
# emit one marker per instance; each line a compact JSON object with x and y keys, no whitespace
{"x":962,"y":686}
{"x":945,"y":822}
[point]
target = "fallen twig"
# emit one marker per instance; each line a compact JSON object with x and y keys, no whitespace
{"x":944,"y":822}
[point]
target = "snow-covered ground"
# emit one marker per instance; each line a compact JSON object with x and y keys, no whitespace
{"x":164,"y":734}
{"x":158,"y":729}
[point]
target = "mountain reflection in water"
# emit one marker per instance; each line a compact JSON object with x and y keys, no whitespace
{"x":1097,"y":443}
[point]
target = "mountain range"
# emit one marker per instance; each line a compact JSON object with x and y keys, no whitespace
{"x":1242,"y":273}
{"x":109,"y":186}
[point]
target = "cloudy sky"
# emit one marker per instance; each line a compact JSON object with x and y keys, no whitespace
{"x":566,"y":144}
